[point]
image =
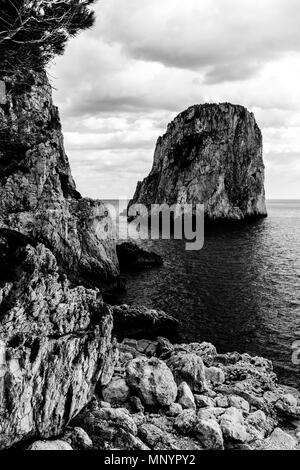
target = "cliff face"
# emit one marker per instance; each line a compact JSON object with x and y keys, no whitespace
{"x":38,"y":196}
{"x":210,"y":154}
{"x":55,"y":342}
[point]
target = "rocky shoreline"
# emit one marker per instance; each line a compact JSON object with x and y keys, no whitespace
{"x":165,"y":396}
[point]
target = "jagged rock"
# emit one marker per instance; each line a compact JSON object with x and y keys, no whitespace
{"x":279,"y":440}
{"x":240,"y":403}
{"x":78,"y":439}
{"x":258,"y":425}
{"x":233,"y":426}
{"x":209,"y":434}
{"x":137,"y":405}
{"x":215,"y":375}
{"x":202,"y":401}
{"x":190,"y":369}
{"x":186,"y":421}
{"x":116,"y":392}
{"x":185,"y":397}
{"x":136,"y":320}
{"x":50,"y":445}
{"x":174,"y":410}
{"x":152,"y":381}
{"x":38,"y":196}
{"x":132,"y":257}
{"x":210,"y":154}
{"x":55,"y":341}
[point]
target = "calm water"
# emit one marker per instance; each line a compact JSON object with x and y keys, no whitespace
{"x":241,"y":292}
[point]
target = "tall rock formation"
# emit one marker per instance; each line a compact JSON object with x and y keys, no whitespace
{"x":38,"y":196}
{"x":210,"y":154}
{"x":55,"y":338}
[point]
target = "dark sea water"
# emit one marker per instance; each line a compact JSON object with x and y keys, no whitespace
{"x":241,"y":291}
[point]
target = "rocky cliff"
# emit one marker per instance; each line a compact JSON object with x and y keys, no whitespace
{"x":210,"y":154}
{"x":55,"y":342}
{"x":38,"y":196}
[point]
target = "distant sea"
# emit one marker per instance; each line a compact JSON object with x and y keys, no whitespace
{"x":241,"y":291}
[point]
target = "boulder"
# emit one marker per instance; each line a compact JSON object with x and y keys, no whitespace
{"x":116,"y":392}
{"x":233,"y":425}
{"x":202,"y":401}
{"x":190,"y":369}
{"x":50,"y":445}
{"x":152,"y":381}
{"x":215,"y":375}
{"x":136,"y":321}
{"x":185,"y":397}
{"x":209,"y":434}
{"x":185,"y":422}
{"x":279,"y":440}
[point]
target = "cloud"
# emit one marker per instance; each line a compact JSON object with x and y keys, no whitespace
{"x":121,"y":83}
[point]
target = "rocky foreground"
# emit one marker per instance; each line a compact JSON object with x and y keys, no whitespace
{"x":185,"y":397}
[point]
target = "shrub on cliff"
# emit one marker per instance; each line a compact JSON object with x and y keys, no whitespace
{"x":32,"y":32}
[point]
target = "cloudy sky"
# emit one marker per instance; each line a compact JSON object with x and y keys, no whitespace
{"x":120,"y":84}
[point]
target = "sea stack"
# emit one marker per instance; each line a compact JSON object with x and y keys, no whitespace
{"x":210,"y":154}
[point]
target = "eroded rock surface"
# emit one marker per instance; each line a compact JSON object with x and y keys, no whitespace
{"x":55,"y":342}
{"x":38,"y":196}
{"x":211,"y":154}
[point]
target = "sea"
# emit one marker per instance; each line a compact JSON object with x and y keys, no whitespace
{"x":241,"y":291}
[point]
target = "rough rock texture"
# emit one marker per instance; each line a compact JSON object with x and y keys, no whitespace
{"x":137,"y":320}
{"x":55,"y":342}
{"x":210,"y":154}
{"x":38,"y":196}
{"x":152,"y":381}
{"x":220,"y":421}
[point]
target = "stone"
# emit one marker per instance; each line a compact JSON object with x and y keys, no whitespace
{"x":190,"y":369}
{"x":138,"y":320}
{"x":50,"y":445}
{"x":78,"y":439}
{"x":38,"y":196}
{"x":202,"y":401}
{"x":211,"y":154}
{"x":279,"y":440}
{"x":185,"y":397}
{"x":152,"y":381}
{"x":174,"y":410}
{"x":222,"y":401}
{"x":209,"y":434}
{"x":233,"y":426}
{"x":57,"y":340}
{"x":137,"y":405}
{"x":258,"y":425}
{"x":215,"y":375}
{"x":185,"y":422}
{"x":116,"y":392}
{"x":239,"y":402}
{"x":164,"y":346}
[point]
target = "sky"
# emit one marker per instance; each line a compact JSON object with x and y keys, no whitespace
{"x":120,"y":84}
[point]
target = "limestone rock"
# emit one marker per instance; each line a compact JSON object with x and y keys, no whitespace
{"x":137,"y":320}
{"x":209,"y":434}
{"x":233,"y":426}
{"x":55,"y":340}
{"x":215,"y":375}
{"x":279,"y":440}
{"x":202,"y":401}
{"x":116,"y":392}
{"x":152,"y":381}
{"x":38,"y":196}
{"x":210,"y":154}
{"x":78,"y":439}
{"x":186,"y":421}
{"x":185,"y":397}
{"x":50,"y":445}
{"x":190,"y":369}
